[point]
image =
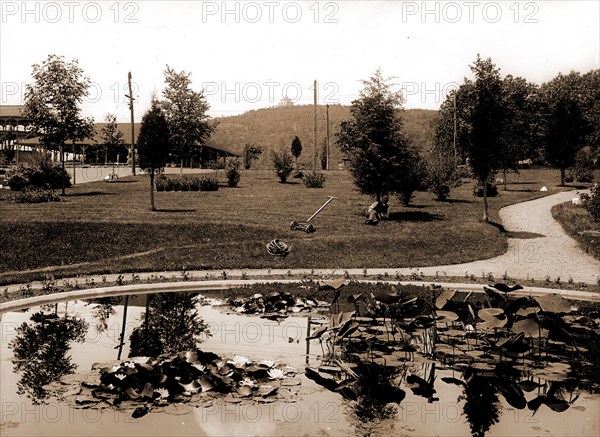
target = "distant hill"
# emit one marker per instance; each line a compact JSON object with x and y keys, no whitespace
{"x":275,"y":128}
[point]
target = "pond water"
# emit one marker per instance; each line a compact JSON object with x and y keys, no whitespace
{"x":400,"y":392}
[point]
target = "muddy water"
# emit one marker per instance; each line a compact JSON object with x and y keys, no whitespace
{"x":317,"y":412}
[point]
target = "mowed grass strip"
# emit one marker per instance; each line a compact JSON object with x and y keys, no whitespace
{"x":108,"y":227}
{"x":577,"y":222}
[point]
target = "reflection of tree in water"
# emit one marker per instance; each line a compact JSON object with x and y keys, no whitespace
{"x":374,"y":393}
{"x":481,"y":404}
{"x":104,"y":310}
{"x":40,"y":351}
{"x":171,"y":323}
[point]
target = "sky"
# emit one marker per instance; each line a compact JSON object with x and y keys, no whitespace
{"x":250,"y":55}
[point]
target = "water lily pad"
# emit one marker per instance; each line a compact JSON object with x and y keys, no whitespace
{"x":443,"y":298}
{"x":530,"y":328}
{"x":553,"y":303}
{"x":446,"y":316}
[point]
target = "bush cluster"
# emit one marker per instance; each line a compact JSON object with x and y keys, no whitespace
{"x":491,"y":189}
{"x":593,"y":203}
{"x":232,"y":169}
{"x":35,"y":195}
{"x":186,"y":183}
{"x":314,"y":180}
{"x":46,"y":177}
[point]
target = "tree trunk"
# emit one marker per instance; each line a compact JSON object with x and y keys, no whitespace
{"x":485,"y":203}
{"x":62,"y":160}
{"x":505,"y":180}
{"x":181,"y":168}
{"x":562,"y":176}
{"x":152,"y":208}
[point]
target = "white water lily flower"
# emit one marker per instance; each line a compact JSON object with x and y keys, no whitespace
{"x":120,"y":376}
{"x":163,"y":393}
{"x":239,"y":360}
{"x":247,"y":382}
{"x":276,"y":374}
{"x":129,"y":364}
{"x":200,"y":367}
{"x":268,"y":363}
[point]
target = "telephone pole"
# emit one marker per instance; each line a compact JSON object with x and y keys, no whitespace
{"x":132,"y":125}
{"x":315,"y":130}
{"x":327,"y":138}
{"x":455,"y":126}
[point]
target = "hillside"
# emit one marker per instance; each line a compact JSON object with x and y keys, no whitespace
{"x":274,"y":129}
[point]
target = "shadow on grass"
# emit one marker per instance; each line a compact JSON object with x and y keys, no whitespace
{"x":499,"y":226}
{"x":174,"y":210}
{"x":455,"y":201}
{"x":89,"y":194}
{"x":522,"y":235}
{"x":415,"y":216}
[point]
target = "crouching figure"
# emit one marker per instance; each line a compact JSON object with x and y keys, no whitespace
{"x":378,"y":210}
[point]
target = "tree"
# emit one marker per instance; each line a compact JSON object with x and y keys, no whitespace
{"x":296,"y":149}
{"x":250,"y":153}
{"x":186,"y":114}
{"x":52,"y":103}
{"x":112,"y":137}
{"x":522,"y":124}
{"x":442,"y":172}
{"x":153,"y":144}
{"x":565,"y":125}
{"x":381,"y":161}
{"x":444,"y":139}
{"x":487,"y":117}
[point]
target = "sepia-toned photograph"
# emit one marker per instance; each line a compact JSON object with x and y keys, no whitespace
{"x":300,"y":218}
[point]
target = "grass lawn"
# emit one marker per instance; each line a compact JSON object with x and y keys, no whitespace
{"x":107,"y":227}
{"x":576,"y":220}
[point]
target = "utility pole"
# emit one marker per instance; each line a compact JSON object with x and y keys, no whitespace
{"x":455,"y":125}
{"x":132,"y":126}
{"x":74,"y":177}
{"x":327,"y":138}
{"x":315,"y":130}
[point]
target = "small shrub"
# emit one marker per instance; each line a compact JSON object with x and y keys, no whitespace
{"x":314,"y":180}
{"x":161,"y":183}
{"x":491,"y":189}
{"x":284,"y":164}
{"x":593,"y":203}
{"x":233,"y":172}
{"x":584,"y":165}
{"x":47,"y":176}
{"x":208,"y":184}
{"x":35,"y":195}
{"x":194,"y":184}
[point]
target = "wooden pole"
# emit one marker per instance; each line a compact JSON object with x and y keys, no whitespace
{"x":62,"y":160}
{"x":124,"y":323}
{"x":132,"y":125}
{"x":327,"y":138}
{"x":315,"y":129}
{"x":455,"y":126}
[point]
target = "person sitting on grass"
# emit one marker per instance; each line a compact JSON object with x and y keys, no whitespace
{"x":378,"y":210}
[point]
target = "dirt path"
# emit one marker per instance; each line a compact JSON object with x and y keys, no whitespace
{"x":538,"y":247}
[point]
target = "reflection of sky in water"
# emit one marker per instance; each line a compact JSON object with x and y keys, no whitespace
{"x":320,"y":412}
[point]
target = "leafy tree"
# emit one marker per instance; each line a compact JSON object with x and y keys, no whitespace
{"x":296,"y":149}
{"x":591,"y":107}
{"x":171,"y":323}
{"x":186,"y":114}
{"x":41,"y":351}
{"x":522,"y":123}
{"x":112,"y":137}
{"x":153,"y":143}
{"x":381,"y":161}
{"x":52,"y":102}
{"x":565,"y":125}
{"x":443,"y":124}
{"x":487,"y":118}
{"x":442,"y":172}
{"x":250,"y":153}
{"x":283,"y":165}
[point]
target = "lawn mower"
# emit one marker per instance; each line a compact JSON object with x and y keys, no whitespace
{"x":307,"y":226}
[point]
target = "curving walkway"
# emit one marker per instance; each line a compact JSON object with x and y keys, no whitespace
{"x":537,"y":247}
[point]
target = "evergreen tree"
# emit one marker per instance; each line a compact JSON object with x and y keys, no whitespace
{"x":381,"y":161}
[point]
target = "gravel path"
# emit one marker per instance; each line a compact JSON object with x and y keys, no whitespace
{"x":537,"y":247}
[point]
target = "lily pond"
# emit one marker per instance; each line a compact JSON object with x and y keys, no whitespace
{"x":328,"y":358}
